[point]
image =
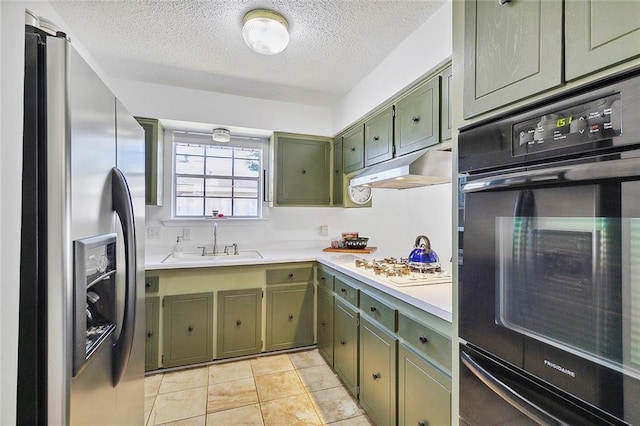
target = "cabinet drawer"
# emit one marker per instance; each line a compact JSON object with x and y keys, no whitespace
{"x":379,"y":311}
{"x":291,"y":275}
{"x":325,"y":279}
{"x":347,"y":291}
{"x":151,"y":284}
{"x":425,"y":341}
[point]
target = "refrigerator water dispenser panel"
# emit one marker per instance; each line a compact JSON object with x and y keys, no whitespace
{"x":95,"y":296}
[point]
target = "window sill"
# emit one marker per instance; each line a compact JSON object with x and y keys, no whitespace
{"x":182,"y":222}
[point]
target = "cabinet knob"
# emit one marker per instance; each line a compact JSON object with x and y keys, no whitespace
{"x":375,"y":376}
{"x":342,"y":342}
{"x":353,"y":149}
{"x":422,"y":423}
{"x":304,"y":172}
{"x":190,"y":328}
{"x":290,"y":317}
{"x":337,"y":171}
{"x":502,"y":2}
{"x":373,"y":309}
{"x":415,"y":119}
{"x":376,"y":138}
{"x":149,"y":333}
{"x":343,"y":290}
{"x":238,"y":322}
{"x":423,"y":339}
{"x":290,"y":275}
{"x":147,"y":284}
{"x":323,"y":323}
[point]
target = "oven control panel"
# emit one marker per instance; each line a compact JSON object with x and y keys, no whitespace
{"x":588,"y":122}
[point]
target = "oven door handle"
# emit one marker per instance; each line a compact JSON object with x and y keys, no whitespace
{"x":613,"y":169}
{"x":501,"y":389}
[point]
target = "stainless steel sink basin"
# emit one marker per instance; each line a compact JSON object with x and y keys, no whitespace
{"x":210,"y":258}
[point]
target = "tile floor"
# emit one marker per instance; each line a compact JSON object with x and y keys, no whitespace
{"x":285,"y":389}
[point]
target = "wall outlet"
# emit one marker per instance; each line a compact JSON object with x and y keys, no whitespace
{"x":154,"y":233}
{"x":186,"y":234}
{"x":324,"y":230}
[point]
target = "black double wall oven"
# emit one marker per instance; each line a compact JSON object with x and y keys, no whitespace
{"x":549,"y":283}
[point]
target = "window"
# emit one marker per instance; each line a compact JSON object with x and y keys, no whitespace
{"x":208,"y":176}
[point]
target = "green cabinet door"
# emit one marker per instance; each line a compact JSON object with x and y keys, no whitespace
{"x":152,"y":314}
{"x":290,"y":316}
{"x":239,"y":322}
{"x":187,"y":329}
{"x":345,"y":344}
{"x":325,"y":323}
{"x":378,"y":353}
{"x":378,"y":137}
{"x":424,"y":392}
{"x":511,"y":51}
{"x":599,"y":34}
{"x":417,"y":122}
{"x":446,"y":79}
{"x":353,"y":149}
{"x":338,"y":173}
{"x":303,"y":170}
{"x":153,"y":142}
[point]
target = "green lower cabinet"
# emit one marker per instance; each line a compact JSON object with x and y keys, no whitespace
{"x":239,"y":322}
{"x":290,"y":316}
{"x":152,"y":315}
{"x":424,"y":392}
{"x":378,"y":353}
{"x":187,"y":329}
{"x":345,"y":344}
{"x":325,"y":324}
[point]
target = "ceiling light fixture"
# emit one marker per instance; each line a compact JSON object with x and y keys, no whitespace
{"x":265,"y":32}
{"x":221,"y":135}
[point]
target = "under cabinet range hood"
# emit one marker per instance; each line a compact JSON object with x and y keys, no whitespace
{"x":422,"y":168}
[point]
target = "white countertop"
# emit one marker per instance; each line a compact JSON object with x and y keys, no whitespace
{"x":435,"y":299}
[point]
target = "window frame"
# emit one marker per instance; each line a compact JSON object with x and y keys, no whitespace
{"x":187,"y":137}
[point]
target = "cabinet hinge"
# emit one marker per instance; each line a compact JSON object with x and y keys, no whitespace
{"x":262,"y":294}
{"x":162,"y":359}
{"x":163,"y":302}
{"x":357,"y":391}
{"x":358,"y":321}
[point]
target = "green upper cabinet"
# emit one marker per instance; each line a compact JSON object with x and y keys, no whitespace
{"x":417,"y":123}
{"x":599,"y":34}
{"x":378,"y":137}
{"x":153,"y":137}
{"x":239,"y":322}
{"x":511,"y":51}
{"x":187,"y":329}
{"x":446,"y":78}
{"x":302,"y":170}
{"x":353,"y":149}
{"x":338,"y":173}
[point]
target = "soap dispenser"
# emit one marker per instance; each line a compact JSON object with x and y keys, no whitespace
{"x":178,"y":250}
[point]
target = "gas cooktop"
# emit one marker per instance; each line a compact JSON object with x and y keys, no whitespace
{"x":400,"y":272}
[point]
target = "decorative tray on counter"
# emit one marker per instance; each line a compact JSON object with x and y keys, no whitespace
{"x":351,"y":250}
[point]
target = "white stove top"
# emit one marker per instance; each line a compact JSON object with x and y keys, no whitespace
{"x":412,"y":278}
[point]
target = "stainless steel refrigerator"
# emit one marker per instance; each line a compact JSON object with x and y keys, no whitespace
{"x":81,"y":321}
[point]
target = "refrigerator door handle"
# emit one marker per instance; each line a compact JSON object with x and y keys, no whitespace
{"x":122,"y":204}
{"x":501,"y":389}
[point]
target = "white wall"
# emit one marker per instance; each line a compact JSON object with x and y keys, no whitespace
{"x":426,"y":48}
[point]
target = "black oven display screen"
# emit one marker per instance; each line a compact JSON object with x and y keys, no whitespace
{"x":560,"y":283}
{"x":593,"y":121}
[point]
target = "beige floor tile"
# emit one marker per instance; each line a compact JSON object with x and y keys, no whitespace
{"x":306,"y":359}
{"x":193,"y":421}
{"x":227,"y":395}
{"x":278,"y":385}
{"x":152,"y":384}
{"x":186,"y":379}
{"x":318,"y":378}
{"x":295,"y":410}
{"x":231,"y":371}
{"x":173,"y":406}
{"x":335,"y":404}
{"x":148,"y":406}
{"x":271,"y":364}
{"x":249,"y":415}
{"x":354,"y":421}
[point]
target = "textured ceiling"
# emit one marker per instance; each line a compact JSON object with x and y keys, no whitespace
{"x":198,"y":44}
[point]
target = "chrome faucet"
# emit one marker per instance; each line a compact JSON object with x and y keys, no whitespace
{"x":215,"y":238}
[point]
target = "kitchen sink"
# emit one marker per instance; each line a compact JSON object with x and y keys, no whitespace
{"x":208,"y":257}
